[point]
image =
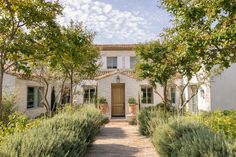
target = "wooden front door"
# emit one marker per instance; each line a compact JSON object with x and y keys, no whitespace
{"x":118,"y":99}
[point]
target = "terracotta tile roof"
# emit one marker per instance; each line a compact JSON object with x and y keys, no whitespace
{"x":103,"y":74}
{"x":116,"y":47}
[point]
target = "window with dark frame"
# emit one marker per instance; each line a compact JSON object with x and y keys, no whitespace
{"x":172,"y":95}
{"x":111,"y":62}
{"x":34,"y":97}
{"x":89,"y":94}
{"x":147,"y":95}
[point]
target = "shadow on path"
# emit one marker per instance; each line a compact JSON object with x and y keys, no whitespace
{"x":112,"y":150}
{"x":118,"y":139}
{"x":113,"y":133}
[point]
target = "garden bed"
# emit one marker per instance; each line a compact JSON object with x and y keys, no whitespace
{"x":206,"y":134}
{"x":66,"y":134}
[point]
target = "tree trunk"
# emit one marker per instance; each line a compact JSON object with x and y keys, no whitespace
{"x":71,"y":88}
{"x":1,"y":92}
{"x":165,"y":96}
{"x":181,"y":105}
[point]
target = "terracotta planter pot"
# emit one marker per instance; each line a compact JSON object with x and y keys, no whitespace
{"x":103,"y":108}
{"x":132,"y":109}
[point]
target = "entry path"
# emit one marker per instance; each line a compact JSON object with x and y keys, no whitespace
{"x":119,"y":139}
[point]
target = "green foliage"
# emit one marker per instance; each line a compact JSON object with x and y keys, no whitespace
{"x":102,"y":100}
{"x":156,"y":62}
{"x":66,"y":134}
{"x":132,"y":120}
{"x":203,"y":33}
{"x":105,"y":120}
{"x":149,"y":118}
{"x":26,"y":27}
{"x":17,"y":122}
{"x":132,"y":101}
{"x":75,"y":54}
{"x":8,"y":106}
{"x":169,"y":107}
{"x":182,"y":138}
{"x":220,"y":121}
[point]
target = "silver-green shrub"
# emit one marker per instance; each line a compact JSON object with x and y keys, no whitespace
{"x":67,"y":134}
{"x":184,"y":138}
{"x":149,"y":118}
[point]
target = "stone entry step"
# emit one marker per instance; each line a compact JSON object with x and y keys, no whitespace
{"x":118,"y":119}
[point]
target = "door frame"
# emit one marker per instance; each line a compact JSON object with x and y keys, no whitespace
{"x":123,"y":85}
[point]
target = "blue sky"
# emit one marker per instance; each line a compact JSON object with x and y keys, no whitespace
{"x":117,"y":21}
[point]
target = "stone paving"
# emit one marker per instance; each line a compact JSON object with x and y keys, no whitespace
{"x":119,"y":139}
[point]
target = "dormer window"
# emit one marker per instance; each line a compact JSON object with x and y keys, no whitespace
{"x":111,"y":62}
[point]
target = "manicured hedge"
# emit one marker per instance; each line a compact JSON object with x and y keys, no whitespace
{"x":67,"y":134}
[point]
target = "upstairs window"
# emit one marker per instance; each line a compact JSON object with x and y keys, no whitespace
{"x":111,"y":62}
{"x":89,"y":94}
{"x":133,"y":61}
{"x":147,"y":95}
{"x":34,"y":97}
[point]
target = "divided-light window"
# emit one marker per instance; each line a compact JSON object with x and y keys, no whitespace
{"x":89,"y":94}
{"x":147,"y":95}
{"x":111,"y":62}
{"x":34,"y":97}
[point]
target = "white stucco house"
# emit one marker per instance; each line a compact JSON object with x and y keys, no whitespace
{"x":117,"y":82}
{"x":28,"y":98}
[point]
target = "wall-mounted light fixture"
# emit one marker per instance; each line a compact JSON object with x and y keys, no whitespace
{"x":117,"y":79}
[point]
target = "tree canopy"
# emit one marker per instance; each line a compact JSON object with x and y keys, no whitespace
{"x":157,"y":64}
{"x":76,"y":57}
{"x":24,"y":24}
{"x":203,"y":30}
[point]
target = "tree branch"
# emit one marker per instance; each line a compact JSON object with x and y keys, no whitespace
{"x":155,"y":90}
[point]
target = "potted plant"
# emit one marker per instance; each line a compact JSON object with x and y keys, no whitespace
{"x":103,"y":106}
{"x":132,"y":105}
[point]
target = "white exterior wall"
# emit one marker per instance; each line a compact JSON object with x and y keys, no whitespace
{"x":156,"y":98}
{"x":123,"y":58}
{"x":204,"y":101}
{"x":13,"y":85}
{"x":79,"y":96}
{"x":131,"y":89}
{"x":21,"y":98}
{"x":223,"y":90}
{"x":103,"y":62}
{"x":9,"y":83}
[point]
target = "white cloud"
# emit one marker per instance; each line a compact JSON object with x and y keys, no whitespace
{"x":107,"y":8}
{"x":109,"y":23}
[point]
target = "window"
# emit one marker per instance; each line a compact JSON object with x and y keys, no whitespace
{"x":111,"y":62}
{"x":147,"y":95}
{"x":34,"y":97}
{"x":89,"y":94}
{"x":133,"y":61}
{"x":172,"y":95}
